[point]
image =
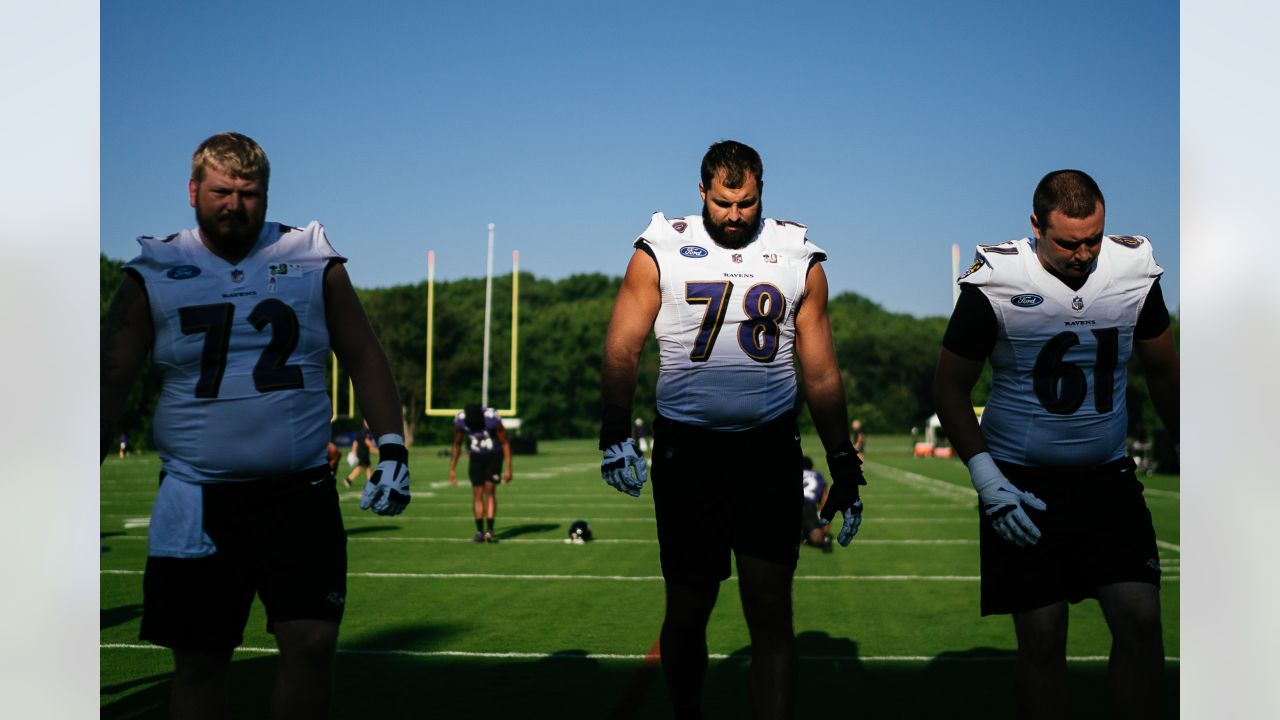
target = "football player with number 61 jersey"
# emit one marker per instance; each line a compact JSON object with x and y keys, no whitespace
{"x":1062,"y":516}
{"x":239,"y":315}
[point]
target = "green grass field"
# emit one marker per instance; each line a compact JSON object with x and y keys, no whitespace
{"x":438,"y":627}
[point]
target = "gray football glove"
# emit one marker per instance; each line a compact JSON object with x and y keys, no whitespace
{"x":846,"y":477}
{"x":1004,"y":502}
{"x":387,"y":491}
{"x":624,"y":468}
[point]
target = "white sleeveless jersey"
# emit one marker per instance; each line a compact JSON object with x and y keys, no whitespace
{"x":241,"y":350}
{"x":726,"y":329}
{"x":1059,"y":365}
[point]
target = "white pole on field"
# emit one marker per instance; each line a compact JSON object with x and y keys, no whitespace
{"x":488,"y":307}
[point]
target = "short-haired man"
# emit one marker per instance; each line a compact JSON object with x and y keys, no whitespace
{"x":240,"y":315}
{"x":730,"y":295}
{"x":1062,"y":515}
{"x":489,"y":451}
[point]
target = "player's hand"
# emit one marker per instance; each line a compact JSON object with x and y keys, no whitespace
{"x":1004,"y":503}
{"x":506,"y":477}
{"x":387,"y":490}
{"x":846,"y":476}
{"x":624,"y":468}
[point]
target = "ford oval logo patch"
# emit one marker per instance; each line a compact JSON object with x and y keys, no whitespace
{"x":1027,"y":300}
{"x":183,"y":272}
{"x":693,"y":251}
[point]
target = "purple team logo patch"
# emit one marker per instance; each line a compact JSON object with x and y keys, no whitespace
{"x":693,"y":251}
{"x":737,"y":257}
{"x":1129,"y":241}
{"x":1077,"y":303}
{"x":1028,"y":300}
{"x":679,"y":226}
{"x":183,"y":272}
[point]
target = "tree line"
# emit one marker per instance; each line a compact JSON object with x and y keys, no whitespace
{"x":886,"y":359}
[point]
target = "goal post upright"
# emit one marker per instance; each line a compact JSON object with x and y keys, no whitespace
{"x":431,"y":410}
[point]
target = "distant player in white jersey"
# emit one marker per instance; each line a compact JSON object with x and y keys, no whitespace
{"x":731,"y":296}
{"x":239,"y":315}
{"x":1062,"y":514}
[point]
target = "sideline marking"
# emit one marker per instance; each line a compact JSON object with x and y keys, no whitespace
{"x":624,"y":656}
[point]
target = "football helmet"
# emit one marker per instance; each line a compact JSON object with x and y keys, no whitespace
{"x":579,"y":531}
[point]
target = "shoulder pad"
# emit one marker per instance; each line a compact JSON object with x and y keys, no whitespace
{"x":661,"y":230}
{"x":1005,"y":248}
{"x":987,"y":257}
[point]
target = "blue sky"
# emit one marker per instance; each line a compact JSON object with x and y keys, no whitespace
{"x":891,"y":129}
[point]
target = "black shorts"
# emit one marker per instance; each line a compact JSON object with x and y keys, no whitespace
{"x":1096,"y":531}
{"x":716,"y":492}
{"x":809,"y":520}
{"x":485,"y":468}
{"x":281,"y":538}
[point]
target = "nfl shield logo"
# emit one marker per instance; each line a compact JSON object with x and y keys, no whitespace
{"x":237,"y":275}
{"x":1077,"y":303}
{"x":737,"y":257}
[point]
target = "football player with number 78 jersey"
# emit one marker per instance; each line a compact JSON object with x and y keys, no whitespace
{"x":239,"y":315}
{"x":731,"y":296}
{"x":1062,"y":516}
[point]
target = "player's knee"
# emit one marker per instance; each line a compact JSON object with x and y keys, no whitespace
{"x":307,"y":639}
{"x":200,"y":667}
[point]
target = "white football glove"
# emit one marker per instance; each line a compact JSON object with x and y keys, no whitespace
{"x":387,"y":490}
{"x":624,"y":468}
{"x":1004,"y":502}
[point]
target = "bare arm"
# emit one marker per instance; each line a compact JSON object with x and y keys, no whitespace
{"x":953,"y":383}
{"x":454,"y":453}
{"x":816,"y":351}
{"x":1160,"y":359}
{"x":127,"y":336}
{"x":506,"y":452}
{"x":634,"y":311}
{"x":358,"y":349}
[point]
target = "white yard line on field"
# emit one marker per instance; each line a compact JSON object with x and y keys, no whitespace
{"x":930,"y":485}
{"x":599,"y":541}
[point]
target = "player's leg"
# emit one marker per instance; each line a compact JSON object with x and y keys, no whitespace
{"x":689,"y":498}
{"x":683,"y":643}
{"x":300,"y":567}
{"x":304,"y":673}
{"x":1132,"y":610}
{"x":199,"y":689}
{"x":765,"y":588}
{"x":1041,"y":675}
{"x":490,"y":508}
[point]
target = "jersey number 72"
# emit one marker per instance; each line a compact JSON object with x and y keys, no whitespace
{"x":271,"y":372}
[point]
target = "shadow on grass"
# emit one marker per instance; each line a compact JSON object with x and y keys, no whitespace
{"x":526,"y":529}
{"x":111,"y":617}
{"x":390,"y":674}
{"x":366,"y":529}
